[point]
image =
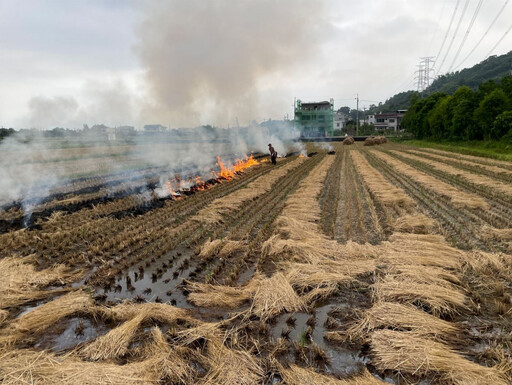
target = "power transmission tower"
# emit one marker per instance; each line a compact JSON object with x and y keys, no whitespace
{"x":419,"y":77}
{"x":425,"y":72}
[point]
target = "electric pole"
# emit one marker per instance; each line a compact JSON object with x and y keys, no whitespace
{"x":357,"y":115}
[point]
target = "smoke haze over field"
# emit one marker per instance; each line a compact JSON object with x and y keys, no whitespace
{"x":207,"y":60}
{"x":34,"y":166}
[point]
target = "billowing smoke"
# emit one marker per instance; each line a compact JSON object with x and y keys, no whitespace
{"x":211,"y":61}
{"x":23,"y":174}
{"x":37,"y":166}
{"x":110,"y":102}
{"x":206,"y":62}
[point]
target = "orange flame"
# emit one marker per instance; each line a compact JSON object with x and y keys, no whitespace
{"x":239,"y":166}
{"x":169,"y":188}
{"x":176,"y":186}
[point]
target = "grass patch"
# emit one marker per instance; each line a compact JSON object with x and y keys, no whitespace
{"x":488,"y":149}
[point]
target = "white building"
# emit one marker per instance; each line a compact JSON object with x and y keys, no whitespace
{"x":392,"y":120}
{"x":340,"y":120}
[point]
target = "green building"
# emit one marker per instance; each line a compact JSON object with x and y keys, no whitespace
{"x":315,"y":119}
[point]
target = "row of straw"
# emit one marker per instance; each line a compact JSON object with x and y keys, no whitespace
{"x":215,"y":212}
{"x":477,"y":179}
{"x":418,"y":283}
{"x":457,"y":197}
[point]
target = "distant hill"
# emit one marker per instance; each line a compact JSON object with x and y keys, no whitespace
{"x":400,"y":101}
{"x":492,"y":68}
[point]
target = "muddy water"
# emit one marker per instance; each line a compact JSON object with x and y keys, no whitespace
{"x":152,"y":284}
{"x":72,"y":332}
{"x":342,"y":361}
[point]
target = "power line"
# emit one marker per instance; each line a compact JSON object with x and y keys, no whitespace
{"x":449,"y":28}
{"x":437,"y":27}
{"x":408,"y":81}
{"x":499,"y":41}
{"x":475,"y":14}
{"x":484,"y":35}
{"x":454,"y":35}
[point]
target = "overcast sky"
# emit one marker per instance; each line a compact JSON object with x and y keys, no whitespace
{"x":178,"y":63}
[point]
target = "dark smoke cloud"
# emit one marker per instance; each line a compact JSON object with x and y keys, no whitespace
{"x":206,"y":60}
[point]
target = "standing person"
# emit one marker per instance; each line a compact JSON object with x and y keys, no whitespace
{"x":273,"y":154}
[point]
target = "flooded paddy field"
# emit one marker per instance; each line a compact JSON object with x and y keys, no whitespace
{"x":353,"y":265}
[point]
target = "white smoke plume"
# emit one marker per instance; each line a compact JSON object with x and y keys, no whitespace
{"x":209,"y":61}
{"x":34,"y":166}
{"x":205,"y":62}
{"x":111,"y":102}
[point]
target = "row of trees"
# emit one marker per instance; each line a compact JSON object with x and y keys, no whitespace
{"x":465,"y":115}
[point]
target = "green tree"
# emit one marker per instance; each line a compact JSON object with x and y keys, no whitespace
{"x":462,"y":106}
{"x":438,"y":118}
{"x":502,"y":125}
{"x":490,"y":107}
{"x":416,"y":118}
{"x":463,"y":124}
{"x":487,"y":87}
{"x":344,"y":110}
{"x":506,"y":86}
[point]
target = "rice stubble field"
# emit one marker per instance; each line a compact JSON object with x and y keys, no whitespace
{"x":358,"y":265}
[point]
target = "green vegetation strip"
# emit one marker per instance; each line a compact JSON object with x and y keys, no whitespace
{"x":487,"y":149}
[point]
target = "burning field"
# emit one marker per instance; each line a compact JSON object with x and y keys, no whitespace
{"x":361,"y":265}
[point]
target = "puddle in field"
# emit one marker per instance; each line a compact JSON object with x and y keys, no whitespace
{"x":72,"y":332}
{"x":342,"y":361}
{"x":157,"y":282}
{"x":29,"y":308}
{"x":82,"y":281}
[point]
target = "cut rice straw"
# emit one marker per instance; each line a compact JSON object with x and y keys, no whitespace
{"x":21,"y":282}
{"x":161,"y":312}
{"x":210,"y":248}
{"x":476,"y":179}
{"x":215,"y":212}
{"x":231,"y":367}
{"x":414,"y":223}
{"x":220,"y":248}
{"x":458,"y":198}
{"x":207,"y":295}
{"x":4,"y":314}
{"x":27,"y":366}
{"x":385,"y":192}
{"x":439,"y":299}
{"x":460,"y":159}
{"x":407,"y":353}
{"x":424,"y":249}
{"x":44,"y":316}
{"x":476,"y":159}
{"x":402,"y":317}
{"x":115,"y":343}
{"x":295,"y":375}
{"x":274,"y":296}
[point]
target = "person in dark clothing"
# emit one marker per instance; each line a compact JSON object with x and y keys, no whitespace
{"x":273,"y":154}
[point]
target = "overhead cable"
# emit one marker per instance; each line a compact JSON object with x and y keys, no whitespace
{"x":475,"y":14}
